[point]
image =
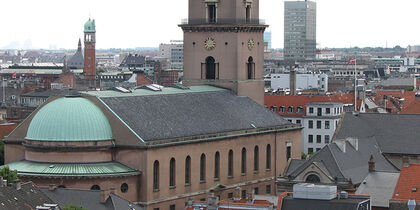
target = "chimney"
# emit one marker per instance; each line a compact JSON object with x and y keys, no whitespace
{"x":212,"y":202}
{"x":52,"y":187}
{"x":292,"y":82}
{"x":371,"y":164}
{"x":237,"y":194}
{"x":17,"y":184}
{"x":105,"y":194}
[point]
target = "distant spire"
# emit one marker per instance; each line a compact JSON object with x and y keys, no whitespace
{"x":79,"y":47}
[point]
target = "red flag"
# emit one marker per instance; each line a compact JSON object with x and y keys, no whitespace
{"x":14,"y":75}
{"x":353,"y":60}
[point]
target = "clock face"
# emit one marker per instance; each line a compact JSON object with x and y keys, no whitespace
{"x":209,"y":43}
{"x":251,"y":43}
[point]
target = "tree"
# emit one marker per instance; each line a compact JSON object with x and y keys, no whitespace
{"x":9,"y":175}
{"x":73,"y":207}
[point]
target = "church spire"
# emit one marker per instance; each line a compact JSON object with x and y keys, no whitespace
{"x":79,"y":47}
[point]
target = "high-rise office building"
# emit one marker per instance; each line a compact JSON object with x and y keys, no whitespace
{"x":299,"y":30}
{"x":267,"y":38}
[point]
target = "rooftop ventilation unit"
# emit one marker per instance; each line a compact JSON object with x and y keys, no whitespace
{"x":315,"y":192}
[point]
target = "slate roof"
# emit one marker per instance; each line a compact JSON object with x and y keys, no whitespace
{"x":349,"y":165}
{"x":380,"y":186}
{"x":89,"y":199}
{"x":395,"y":133}
{"x":133,"y":60}
{"x":77,"y":60}
{"x":408,"y":180}
{"x":187,"y":114}
{"x":28,"y":197}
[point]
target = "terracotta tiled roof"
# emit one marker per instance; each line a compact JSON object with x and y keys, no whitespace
{"x":6,"y":128}
{"x":301,"y":101}
{"x":412,"y":108}
{"x":395,"y":107}
{"x":408,"y":185}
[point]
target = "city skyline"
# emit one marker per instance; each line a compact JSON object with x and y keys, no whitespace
{"x":130,"y":24}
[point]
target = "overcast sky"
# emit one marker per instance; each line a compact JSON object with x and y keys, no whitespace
{"x":141,"y":23}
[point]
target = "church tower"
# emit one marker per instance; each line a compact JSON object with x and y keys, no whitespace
{"x":89,"y":68}
{"x":223,"y":46}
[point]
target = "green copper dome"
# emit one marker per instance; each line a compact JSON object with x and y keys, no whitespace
{"x":70,"y":119}
{"x":90,"y":26}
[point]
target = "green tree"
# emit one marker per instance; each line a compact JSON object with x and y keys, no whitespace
{"x":73,"y":207}
{"x":304,"y":156}
{"x":410,"y":88}
{"x":7,"y":174}
{"x":1,"y":153}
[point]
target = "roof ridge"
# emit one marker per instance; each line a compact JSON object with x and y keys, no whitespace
{"x":335,"y":160}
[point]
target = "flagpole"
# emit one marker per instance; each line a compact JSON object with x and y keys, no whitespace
{"x":355,"y":86}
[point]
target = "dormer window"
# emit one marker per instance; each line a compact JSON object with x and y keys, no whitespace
{"x":290,"y":109}
{"x":281,"y":109}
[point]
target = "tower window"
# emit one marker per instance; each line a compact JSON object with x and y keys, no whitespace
{"x":217,"y":165}
{"x":250,"y":68}
{"x":211,"y":13}
{"x":248,"y":13}
{"x":243,"y":161}
{"x":188,"y":170}
{"x":203,"y":168}
{"x":210,"y":68}
{"x":230,"y":163}
{"x":156,"y":175}
{"x":172,"y":172}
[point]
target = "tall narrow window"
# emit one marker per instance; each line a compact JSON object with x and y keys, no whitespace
{"x":243,"y":161}
{"x":172,"y":172}
{"x":211,"y":13}
{"x":188,"y":170}
{"x":210,"y":68}
{"x":217,"y":165}
{"x":256,"y":158}
{"x":268,"y":157}
{"x":230,"y":164}
{"x":156,"y":175}
{"x":203,"y":168}
{"x":288,"y":152}
{"x":248,"y":13}
{"x":250,"y":68}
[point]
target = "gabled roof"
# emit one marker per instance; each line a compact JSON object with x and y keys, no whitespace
{"x":188,"y":113}
{"x":380,"y":186}
{"x":89,"y":199}
{"x":395,"y":133}
{"x":349,"y":165}
{"x":408,"y":185}
{"x":26,"y":198}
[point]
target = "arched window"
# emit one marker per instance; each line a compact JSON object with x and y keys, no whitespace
{"x":95,"y":187}
{"x":243,"y":161}
{"x":312,"y":179}
{"x":172,"y":172}
{"x":250,"y":68}
{"x":203,"y":168}
{"x":217,"y":165}
{"x":210,"y":68}
{"x":230,"y":164}
{"x":156,"y":175}
{"x":256,"y":158}
{"x":268,"y":157}
{"x":124,"y":188}
{"x":188,"y":170}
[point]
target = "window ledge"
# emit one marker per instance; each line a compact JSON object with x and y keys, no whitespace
{"x":243,"y":174}
{"x":268,"y":169}
{"x":156,"y":190}
{"x":256,"y":172}
{"x":172,"y":187}
{"x":216,"y":179}
{"x":202,"y":181}
{"x":187,"y":184}
{"x":230,"y":177}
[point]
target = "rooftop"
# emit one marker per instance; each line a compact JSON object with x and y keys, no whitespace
{"x":69,"y":119}
{"x":380,"y":186}
{"x":408,"y":185}
{"x":29,"y":168}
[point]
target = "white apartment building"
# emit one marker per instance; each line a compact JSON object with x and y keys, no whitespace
{"x":303,"y":81}
{"x":319,"y":122}
{"x":174,"y":51}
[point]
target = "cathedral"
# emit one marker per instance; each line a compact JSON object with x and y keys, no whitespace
{"x":160,"y":146}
